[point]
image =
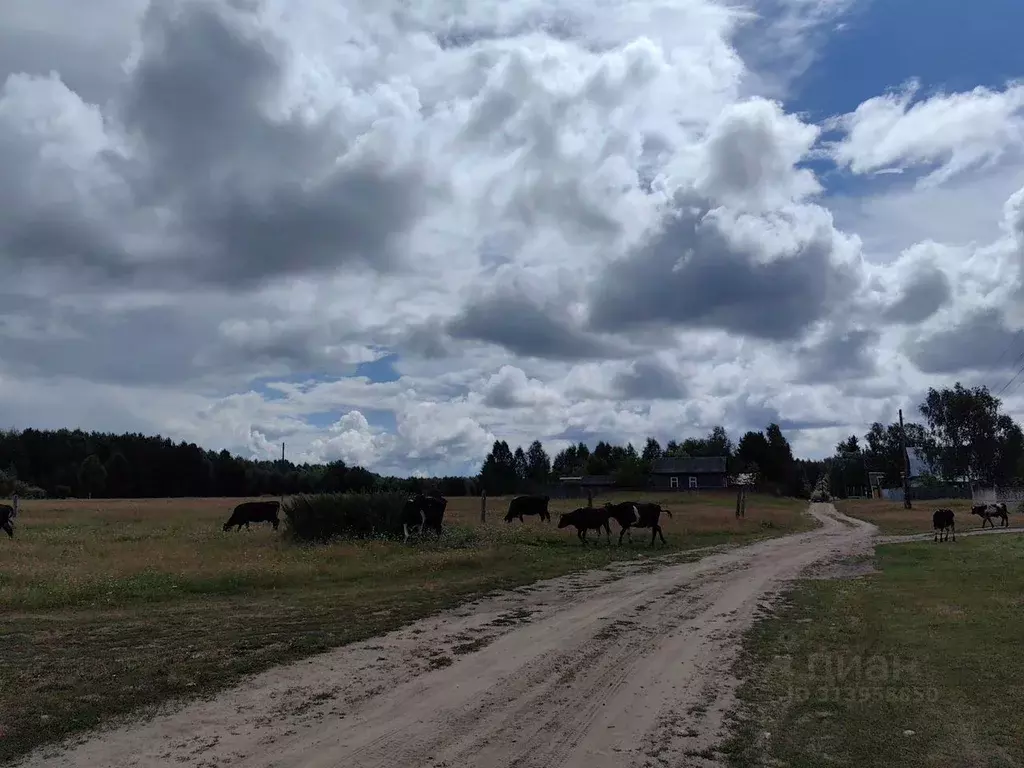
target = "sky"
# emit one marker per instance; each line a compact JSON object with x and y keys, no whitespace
{"x":392,"y":233}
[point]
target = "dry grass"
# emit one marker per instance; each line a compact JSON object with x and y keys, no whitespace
{"x":110,"y":607}
{"x":892,"y":518}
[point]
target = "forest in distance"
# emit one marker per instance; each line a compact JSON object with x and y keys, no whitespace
{"x":963,"y":433}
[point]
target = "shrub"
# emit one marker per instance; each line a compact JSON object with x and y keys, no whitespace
{"x":352,"y":515}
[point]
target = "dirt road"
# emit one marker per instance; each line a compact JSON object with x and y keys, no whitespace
{"x":624,"y":667}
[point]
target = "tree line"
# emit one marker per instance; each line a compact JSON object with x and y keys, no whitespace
{"x":765,"y":454}
{"x":71,"y":463}
{"x":964,"y":435}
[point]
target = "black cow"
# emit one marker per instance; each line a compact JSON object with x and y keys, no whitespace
{"x":254,"y":512}
{"x":585,"y":519}
{"x":637,"y":514}
{"x":941,"y":520}
{"x":528,"y":505}
{"x":7,"y":514}
{"x":987,"y":511}
{"x":7,"y":519}
{"x":422,"y":511}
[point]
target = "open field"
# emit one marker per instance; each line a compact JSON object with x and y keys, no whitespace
{"x":111,"y":606}
{"x":892,"y":518}
{"x":628,"y":665}
{"x":917,"y":664}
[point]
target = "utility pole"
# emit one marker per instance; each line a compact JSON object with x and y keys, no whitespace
{"x":906,"y":464}
{"x":282,"y":475}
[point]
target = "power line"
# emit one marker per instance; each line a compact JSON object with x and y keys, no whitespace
{"x":1020,"y":357}
{"x":1007,"y":349}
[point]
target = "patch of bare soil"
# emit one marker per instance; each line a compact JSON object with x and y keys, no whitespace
{"x":622,"y":667}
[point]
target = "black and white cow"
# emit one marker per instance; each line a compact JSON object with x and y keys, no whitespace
{"x":422,"y":511}
{"x":987,"y":511}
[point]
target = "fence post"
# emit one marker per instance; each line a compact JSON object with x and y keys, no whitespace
{"x":483,"y":506}
{"x":590,"y":498}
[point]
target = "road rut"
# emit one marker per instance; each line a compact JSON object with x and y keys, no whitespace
{"x":630,"y":666}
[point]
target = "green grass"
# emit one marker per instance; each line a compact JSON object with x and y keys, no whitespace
{"x":930,"y":644}
{"x":113,"y":607}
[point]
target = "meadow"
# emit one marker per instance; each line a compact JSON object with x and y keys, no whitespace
{"x":111,"y":607}
{"x":915,"y":662}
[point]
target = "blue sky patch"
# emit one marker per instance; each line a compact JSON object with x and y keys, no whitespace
{"x":949,"y":45}
{"x":380,"y":370}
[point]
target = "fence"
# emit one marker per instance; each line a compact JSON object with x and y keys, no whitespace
{"x":930,"y":493}
{"x":996,"y":494}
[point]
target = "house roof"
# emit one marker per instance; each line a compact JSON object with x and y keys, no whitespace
{"x":918,"y":463}
{"x":700,"y":465}
{"x":588,"y":480}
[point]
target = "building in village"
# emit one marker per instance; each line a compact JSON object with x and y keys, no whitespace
{"x":674,"y":473}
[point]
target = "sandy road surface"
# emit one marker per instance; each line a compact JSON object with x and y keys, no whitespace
{"x":628,"y":666}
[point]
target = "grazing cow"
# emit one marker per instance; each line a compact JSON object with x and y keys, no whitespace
{"x":7,"y":514}
{"x":987,"y":511}
{"x":941,"y":520}
{"x":422,"y":511}
{"x":585,"y":519}
{"x":637,"y":514}
{"x":528,"y":505}
{"x":254,"y":512}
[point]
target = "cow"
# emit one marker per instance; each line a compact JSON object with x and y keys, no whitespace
{"x":637,"y":514}
{"x":987,"y":511}
{"x":7,"y":514}
{"x":585,"y":519}
{"x":254,"y":512}
{"x":422,"y":511}
{"x":941,"y":520}
{"x":528,"y":505}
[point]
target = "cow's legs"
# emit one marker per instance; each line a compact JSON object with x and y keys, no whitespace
{"x":8,"y":527}
{"x":624,"y":529}
{"x":952,"y":527}
{"x":405,"y":529}
{"x":662,"y":535}
{"x":423,"y":521}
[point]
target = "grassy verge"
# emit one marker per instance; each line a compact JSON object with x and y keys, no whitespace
{"x":915,"y":665}
{"x":892,"y":519}
{"x":112,"y":607}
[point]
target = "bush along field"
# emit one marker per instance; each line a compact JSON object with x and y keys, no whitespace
{"x":109,"y":607}
{"x":915,"y":664}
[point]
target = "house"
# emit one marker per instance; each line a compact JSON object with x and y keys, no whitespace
{"x":674,"y":473}
{"x":921,"y":471}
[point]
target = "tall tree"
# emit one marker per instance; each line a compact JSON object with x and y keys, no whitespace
{"x":971,"y":438}
{"x":498,"y":473}
{"x":651,"y":452}
{"x":119,"y":475}
{"x":92,"y":477}
{"x":520,"y":463}
{"x":753,"y":449}
{"x":538,"y":463}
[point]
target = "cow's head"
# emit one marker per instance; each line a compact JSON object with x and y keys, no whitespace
{"x":564,"y":520}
